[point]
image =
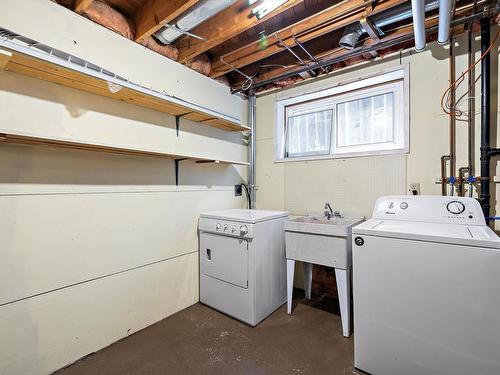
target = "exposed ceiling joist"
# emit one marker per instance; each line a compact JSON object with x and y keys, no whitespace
{"x":333,"y":18}
{"x":334,"y":56}
{"x":82,"y":5}
{"x":154,"y":14}
{"x":225,"y":25}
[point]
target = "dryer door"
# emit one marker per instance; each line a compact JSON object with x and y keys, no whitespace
{"x":225,"y":258}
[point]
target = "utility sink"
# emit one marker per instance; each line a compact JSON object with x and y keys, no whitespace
{"x":319,"y":240}
{"x":335,"y":226}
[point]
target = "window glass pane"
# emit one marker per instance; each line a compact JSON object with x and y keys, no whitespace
{"x":366,"y":121}
{"x":309,"y":134}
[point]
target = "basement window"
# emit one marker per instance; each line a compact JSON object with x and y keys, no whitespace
{"x":365,"y":117}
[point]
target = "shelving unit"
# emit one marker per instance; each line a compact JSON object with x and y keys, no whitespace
{"x":39,"y":61}
{"x":33,"y":140}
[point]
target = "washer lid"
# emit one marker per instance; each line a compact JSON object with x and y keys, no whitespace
{"x":244,"y":215}
{"x":469,"y":235}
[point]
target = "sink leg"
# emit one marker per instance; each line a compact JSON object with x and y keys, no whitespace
{"x":290,"y":270}
{"x":308,"y":275}
{"x":343,"y":278}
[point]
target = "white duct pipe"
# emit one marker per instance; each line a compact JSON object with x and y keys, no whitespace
{"x":192,"y":18}
{"x":418,"y":12}
{"x":445,"y":11}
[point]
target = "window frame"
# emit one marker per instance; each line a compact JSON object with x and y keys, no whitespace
{"x":395,"y":79}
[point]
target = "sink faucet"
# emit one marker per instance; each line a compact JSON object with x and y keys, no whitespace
{"x":328,"y":210}
{"x":329,"y":213}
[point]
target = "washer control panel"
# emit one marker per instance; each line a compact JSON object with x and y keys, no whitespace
{"x":434,"y":209}
{"x":226,"y":227}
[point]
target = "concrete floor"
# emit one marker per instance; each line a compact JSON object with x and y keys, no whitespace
{"x":199,"y":340}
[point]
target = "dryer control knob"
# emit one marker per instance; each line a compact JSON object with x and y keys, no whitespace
{"x":225,"y":227}
{"x":217,"y":226}
{"x":243,"y":230}
{"x":233,"y":228}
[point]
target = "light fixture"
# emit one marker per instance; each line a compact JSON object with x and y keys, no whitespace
{"x":266,"y":7}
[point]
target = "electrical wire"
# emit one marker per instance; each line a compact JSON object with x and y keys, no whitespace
{"x":248,"y":195}
{"x":451,"y":108}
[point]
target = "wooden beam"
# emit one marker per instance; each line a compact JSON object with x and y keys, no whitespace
{"x":223,"y":26}
{"x":154,"y":14}
{"x":82,"y":5}
{"x":370,"y":29}
{"x":339,"y":52}
{"x":332,"y":18}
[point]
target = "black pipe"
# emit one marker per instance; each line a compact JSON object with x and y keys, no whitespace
{"x":485,"y":119}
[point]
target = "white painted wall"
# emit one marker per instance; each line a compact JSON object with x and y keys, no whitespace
{"x":96,"y":246}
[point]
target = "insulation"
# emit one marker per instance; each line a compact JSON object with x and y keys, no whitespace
{"x":201,"y":64}
{"x":224,"y":80}
{"x":163,"y":49}
{"x":70,"y":4}
{"x":110,"y":18}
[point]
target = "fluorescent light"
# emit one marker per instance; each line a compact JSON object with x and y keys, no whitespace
{"x":266,"y":7}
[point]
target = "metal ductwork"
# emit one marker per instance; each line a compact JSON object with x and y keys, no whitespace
{"x":204,"y":10}
{"x":399,"y":13}
{"x":351,"y":35}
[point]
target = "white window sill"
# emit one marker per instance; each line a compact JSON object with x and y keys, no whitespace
{"x":343,"y":156}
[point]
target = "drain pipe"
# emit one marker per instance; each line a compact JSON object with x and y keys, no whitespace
{"x":453,"y":122}
{"x":485,"y":119}
{"x":252,"y":115}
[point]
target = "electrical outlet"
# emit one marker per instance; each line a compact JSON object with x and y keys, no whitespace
{"x":415,"y":188}
{"x":238,"y":190}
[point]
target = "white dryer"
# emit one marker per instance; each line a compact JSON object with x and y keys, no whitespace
{"x":426,"y":288}
{"x":242,"y":262}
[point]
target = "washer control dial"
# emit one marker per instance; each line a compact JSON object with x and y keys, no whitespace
{"x":233,"y":228}
{"x":455,"y":207}
{"x":217,"y":226}
{"x":243,"y":230}
{"x":225,"y":227}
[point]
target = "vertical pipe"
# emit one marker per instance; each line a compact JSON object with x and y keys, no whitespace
{"x":470,"y":110}
{"x":485,"y":118}
{"x":252,"y":115}
{"x":445,"y":9}
{"x":418,"y":12}
{"x":453,"y":123}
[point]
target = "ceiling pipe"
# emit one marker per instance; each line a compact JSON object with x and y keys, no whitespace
{"x":445,"y":13}
{"x":192,"y":18}
{"x":353,"y":32}
{"x":358,"y":51}
{"x":418,"y":12}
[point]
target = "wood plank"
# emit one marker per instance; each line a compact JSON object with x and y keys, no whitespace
{"x":40,"y":69}
{"x":332,"y":18}
{"x":223,"y":26}
{"x":82,"y":5}
{"x":370,"y":29}
{"x":154,"y":14}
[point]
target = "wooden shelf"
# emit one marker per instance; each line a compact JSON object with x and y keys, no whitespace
{"x":34,"y":140}
{"x":60,"y":68}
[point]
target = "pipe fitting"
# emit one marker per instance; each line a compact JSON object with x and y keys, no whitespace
{"x":351,"y":35}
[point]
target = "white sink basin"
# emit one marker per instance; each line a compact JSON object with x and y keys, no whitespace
{"x":319,"y":240}
{"x":321,"y":225}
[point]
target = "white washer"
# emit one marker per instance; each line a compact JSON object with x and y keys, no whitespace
{"x":426,"y":288}
{"x":242,"y":262}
